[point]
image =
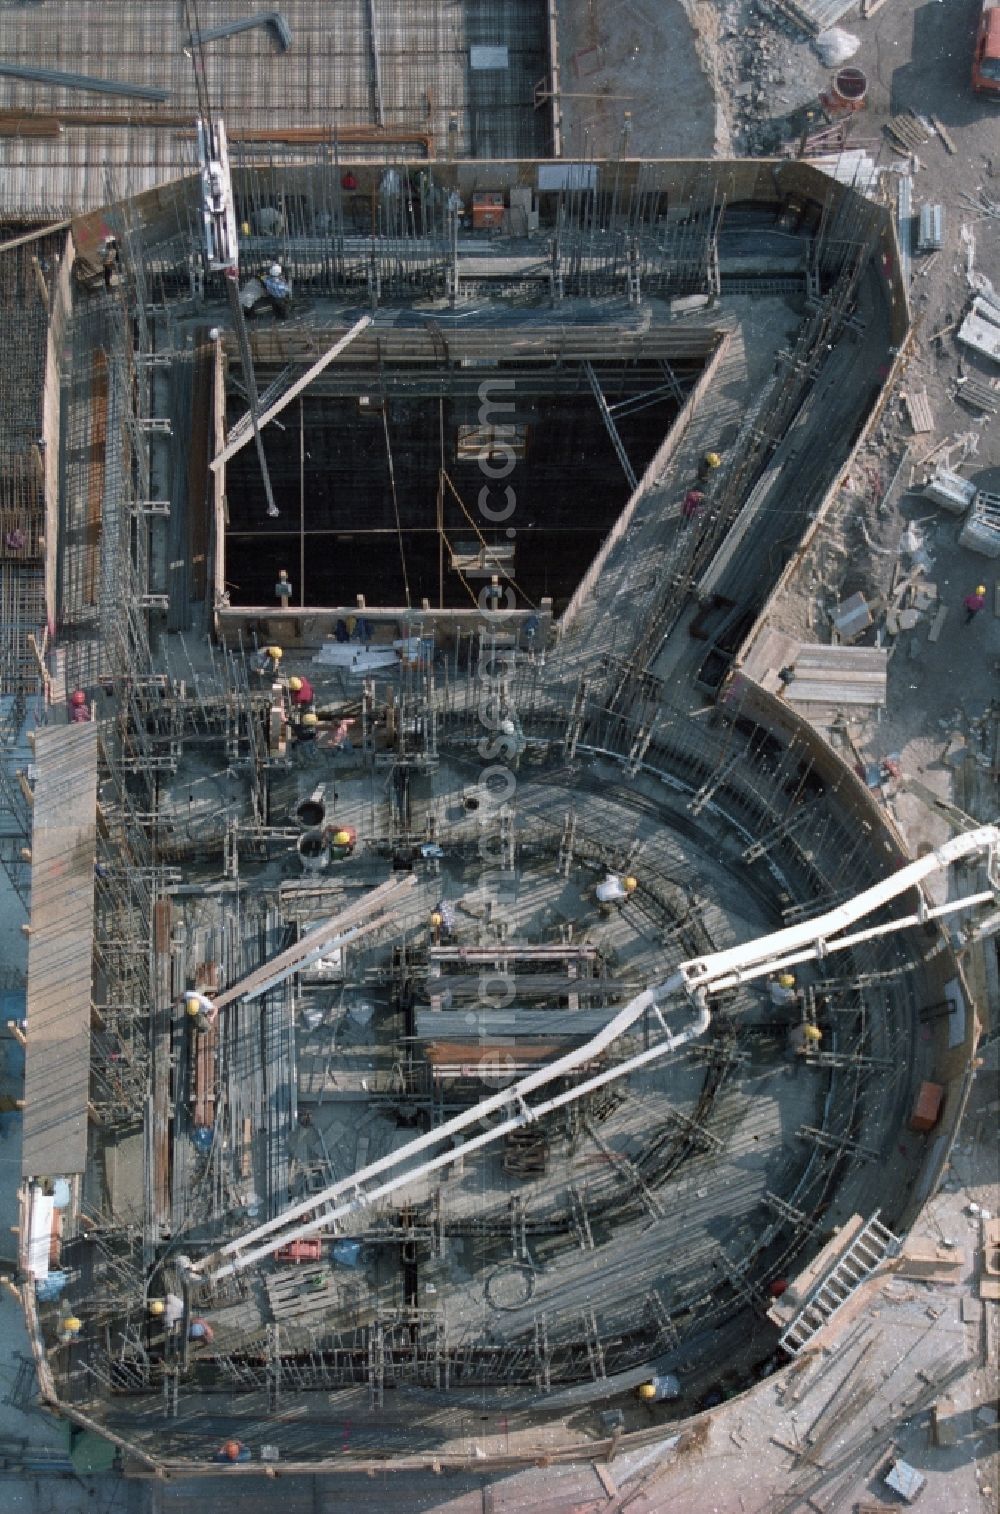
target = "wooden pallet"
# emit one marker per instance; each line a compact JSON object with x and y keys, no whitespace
{"x":919,"y":410}
{"x":293,"y":1297}
{"x":906,"y":131}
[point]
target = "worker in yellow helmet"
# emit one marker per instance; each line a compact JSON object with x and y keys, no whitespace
{"x":343,"y":841}
{"x":306,"y":728}
{"x":631,"y":884}
{"x":69,"y":1328}
{"x":709,"y":463}
{"x":812,"y":1033}
{"x":647,"y":1391}
{"x":974,"y":602}
{"x":267,"y":659}
{"x":782,"y":990}
{"x":170,"y":1310}
{"x":200,"y":1010}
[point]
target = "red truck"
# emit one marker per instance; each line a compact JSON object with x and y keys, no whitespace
{"x":986,"y":61}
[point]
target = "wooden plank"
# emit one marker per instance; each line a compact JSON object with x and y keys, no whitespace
{"x":606,"y":1480}
{"x":60,"y":952}
{"x":944,"y":134}
{"x":939,"y":620}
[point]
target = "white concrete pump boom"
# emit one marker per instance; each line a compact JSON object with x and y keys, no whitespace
{"x":699,"y":979}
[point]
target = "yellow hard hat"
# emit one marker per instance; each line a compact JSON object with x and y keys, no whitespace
{"x":712,"y":459}
{"x":631,"y":884}
{"x":341,"y":838}
{"x":310,"y":718}
{"x":812,"y":1032}
{"x":276,"y":652}
{"x":295,"y":684}
{"x":786,"y":980}
{"x":191,"y":1005}
{"x":647,"y":1390}
{"x":437,"y":918}
{"x":72,"y":1325}
{"x":980,"y":588}
{"x":157,"y":1306}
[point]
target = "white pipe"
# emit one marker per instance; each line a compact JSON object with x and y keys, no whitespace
{"x":362,"y":1200}
{"x":802,"y":942}
{"x":711,"y":971}
{"x":516,"y":1093}
{"x":823,"y":949}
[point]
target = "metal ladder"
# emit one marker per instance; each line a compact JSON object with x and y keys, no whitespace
{"x":870,"y":1247}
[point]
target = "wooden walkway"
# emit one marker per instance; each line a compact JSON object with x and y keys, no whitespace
{"x":60,"y":952}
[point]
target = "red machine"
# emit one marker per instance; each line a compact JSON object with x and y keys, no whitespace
{"x":307,"y":1250}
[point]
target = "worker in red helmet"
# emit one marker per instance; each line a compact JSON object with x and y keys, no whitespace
{"x":79,"y":709}
{"x":232,"y":1451}
{"x":302,"y":691}
{"x":349,"y":182}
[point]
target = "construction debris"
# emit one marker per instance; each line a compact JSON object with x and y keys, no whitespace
{"x":981,"y":530}
{"x":977,"y":395}
{"x":930,"y":231}
{"x":906,"y":1481}
{"x":950,"y":490}
{"x":981,"y":329}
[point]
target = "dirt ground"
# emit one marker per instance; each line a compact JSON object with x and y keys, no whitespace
{"x":624,"y":58}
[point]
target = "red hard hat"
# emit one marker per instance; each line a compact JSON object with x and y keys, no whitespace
{"x":78,"y":697}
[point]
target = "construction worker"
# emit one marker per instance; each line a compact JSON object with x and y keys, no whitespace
{"x":283,"y":589}
{"x":169,"y":1309}
{"x":69,"y":1329}
{"x":974,"y":602}
{"x":267,"y":659}
{"x":693,"y":501}
{"x":278,"y":290}
{"x":302,"y":691}
{"x":708,"y":465}
{"x":615,"y":890}
{"x":343,"y":841}
{"x":109,"y":260}
{"x":201,"y":1332}
{"x":782,"y":990}
{"x":201,"y":1012}
{"x":307,"y":728}
{"x":79,"y":709}
{"x":233,"y":1451}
